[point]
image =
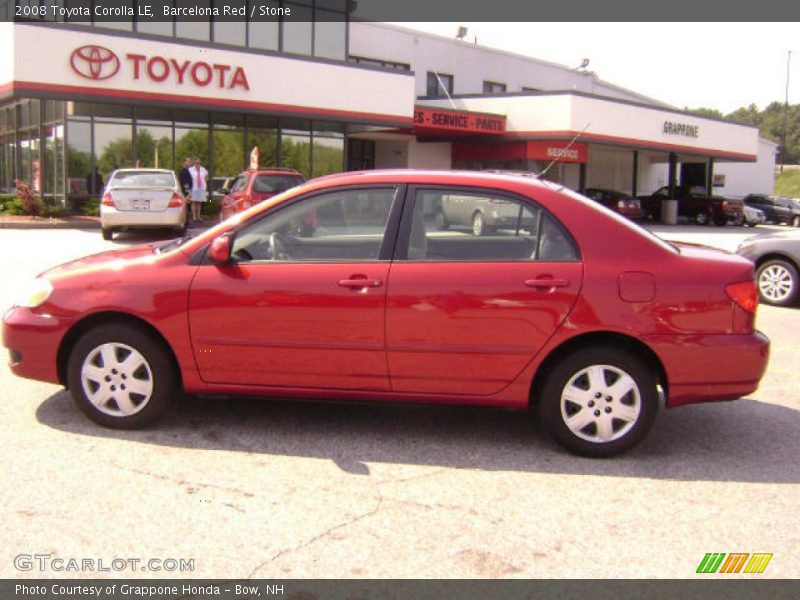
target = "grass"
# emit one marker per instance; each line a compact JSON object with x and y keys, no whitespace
{"x":788,"y":183}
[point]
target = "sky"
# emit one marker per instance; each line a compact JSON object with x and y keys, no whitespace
{"x":723,"y":66}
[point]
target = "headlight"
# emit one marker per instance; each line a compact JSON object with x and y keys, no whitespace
{"x":34,"y":294}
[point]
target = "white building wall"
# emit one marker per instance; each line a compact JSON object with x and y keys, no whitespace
{"x":430,"y":155}
{"x":750,"y":178}
{"x":471,"y":64}
{"x":6,"y":53}
{"x":391,"y":154}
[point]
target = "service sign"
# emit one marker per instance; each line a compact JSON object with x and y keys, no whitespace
{"x":561,"y":151}
{"x":451,"y":121}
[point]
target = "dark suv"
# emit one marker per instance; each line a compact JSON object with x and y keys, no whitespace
{"x":694,"y":203}
{"x":772,"y":207}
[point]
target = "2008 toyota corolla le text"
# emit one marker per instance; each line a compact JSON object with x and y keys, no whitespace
{"x":350,"y":287}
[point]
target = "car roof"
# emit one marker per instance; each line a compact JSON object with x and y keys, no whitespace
{"x":434,"y":176}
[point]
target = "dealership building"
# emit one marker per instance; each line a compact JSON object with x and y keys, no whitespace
{"x":329,"y":95}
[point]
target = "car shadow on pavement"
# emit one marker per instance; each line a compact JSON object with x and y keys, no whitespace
{"x":745,"y":441}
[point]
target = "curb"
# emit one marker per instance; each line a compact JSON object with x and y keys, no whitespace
{"x":49,"y":225}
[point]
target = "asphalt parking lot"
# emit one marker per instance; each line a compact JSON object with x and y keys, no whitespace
{"x":287,"y":489}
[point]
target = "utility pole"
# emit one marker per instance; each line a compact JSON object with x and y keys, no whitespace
{"x":785,"y":111}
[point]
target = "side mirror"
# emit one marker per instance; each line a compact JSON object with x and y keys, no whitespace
{"x":220,"y":250}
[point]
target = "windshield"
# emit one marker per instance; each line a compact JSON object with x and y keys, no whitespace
{"x":142,"y":179}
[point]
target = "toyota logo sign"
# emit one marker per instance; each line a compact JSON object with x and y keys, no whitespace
{"x":94,"y":62}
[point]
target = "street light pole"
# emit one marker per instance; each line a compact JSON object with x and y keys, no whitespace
{"x":785,"y":110}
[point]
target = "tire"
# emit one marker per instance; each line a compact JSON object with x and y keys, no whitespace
{"x":578,"y":401}
{"x":104,"y":363}
{"x":702,"y":218}
{"x":796,"y":221}
{"x":777,"y":282}
{"x":439,"y":220}
{"x":739,"y":221}
{"x":478,"y":226}
{"x":719,"y":220}
{"x":108,"y":233}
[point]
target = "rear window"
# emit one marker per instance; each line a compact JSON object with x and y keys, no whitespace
{"x":129,"y":179}
{"x":274,"y":184}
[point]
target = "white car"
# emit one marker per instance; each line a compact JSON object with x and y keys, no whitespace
{"x":142,"y":198}
{"x":753,"y":216}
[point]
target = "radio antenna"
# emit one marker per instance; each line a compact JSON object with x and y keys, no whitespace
{"x":567,"y":147}
{"x":444,"y":89}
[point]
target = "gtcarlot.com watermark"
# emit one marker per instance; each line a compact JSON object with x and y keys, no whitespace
{"x":49,"y":563}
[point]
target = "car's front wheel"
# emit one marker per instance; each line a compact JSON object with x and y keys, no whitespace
{"x":478,"y":226}
{"x":121,"y":377}
{"x":777,"y":282}
{"x":702,"y":217}
{"x":599,"y":401}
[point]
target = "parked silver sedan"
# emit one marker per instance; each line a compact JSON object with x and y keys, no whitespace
{"x":142,"y":198}
{"x":777,"y":260}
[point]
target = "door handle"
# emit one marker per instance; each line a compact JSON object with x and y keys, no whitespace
{"x":360,"y":283}
{"x":543,"y":282}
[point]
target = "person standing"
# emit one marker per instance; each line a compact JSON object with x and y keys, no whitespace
{"x":94,"y":183}
{"x":185,"y":177}
{"x":199,"y":188}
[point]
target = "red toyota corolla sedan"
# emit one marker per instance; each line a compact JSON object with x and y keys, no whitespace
{"x":345,"y":288}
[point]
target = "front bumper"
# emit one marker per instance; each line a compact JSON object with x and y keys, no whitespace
{"x":33,"y":341}
{"x":707,"y":368}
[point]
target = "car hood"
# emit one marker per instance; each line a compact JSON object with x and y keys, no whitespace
{"x":777,"y":235}
{"x":109,"y":259}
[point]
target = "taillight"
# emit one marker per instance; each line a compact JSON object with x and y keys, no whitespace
{"x":177,"y":201}
{"x":744,"y":294}
{"x":107,"y":199}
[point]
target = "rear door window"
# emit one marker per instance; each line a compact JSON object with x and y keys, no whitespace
{"x":455,"y":225}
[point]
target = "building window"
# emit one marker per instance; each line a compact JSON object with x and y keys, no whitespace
{"x":297,"y":34}
{"x":377,"y":62}
{"x":439,"y":84}
{"x":492,"y":87}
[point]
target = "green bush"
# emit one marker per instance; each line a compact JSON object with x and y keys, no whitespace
{"x":5,"y":199}
{"x":14,"y":207}
{"x":90,"y":208}
{"x":788,"y":182}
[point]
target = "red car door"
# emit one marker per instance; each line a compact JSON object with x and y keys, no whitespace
{"x":466,"y":313}
{"x":300,"y":307}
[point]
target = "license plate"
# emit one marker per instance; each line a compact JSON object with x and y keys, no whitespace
{"x":141,"y":204}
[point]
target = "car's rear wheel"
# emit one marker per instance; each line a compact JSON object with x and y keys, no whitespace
{"x":720,"y":220}
{"x":108,"y":233}
{"x":121,"y":377}
{"x":599,"y":401}
{"x":777,"y":282}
